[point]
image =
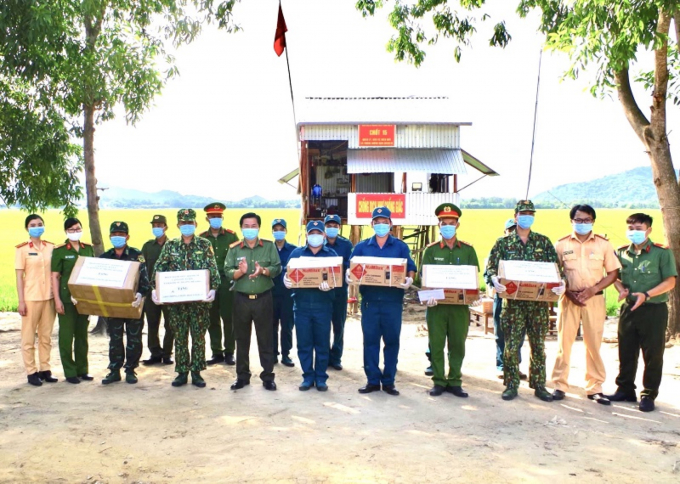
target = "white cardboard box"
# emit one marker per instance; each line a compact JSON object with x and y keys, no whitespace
{"x":182,"y":286}
{"x":529,"y":280}
{"x":460,"y":283}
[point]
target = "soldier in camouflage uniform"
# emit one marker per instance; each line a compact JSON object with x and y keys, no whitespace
{"x":518,"y":315}
{"x":119,"y":233}
{"x":186,"y":253}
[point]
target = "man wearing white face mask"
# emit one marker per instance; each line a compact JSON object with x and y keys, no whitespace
{"x":590,"y":265}
{"x":313,"y":310}
{"x":648,"y":273}
{"x":518,"y":316}
{"x":283,"y":300}
{"x":381,"y":307}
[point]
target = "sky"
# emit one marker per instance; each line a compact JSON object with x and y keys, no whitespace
{"x":225,"y":127}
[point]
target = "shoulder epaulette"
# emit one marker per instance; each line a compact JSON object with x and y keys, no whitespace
{"x":60,"y":245}
{"x":22,"y":244}
{"x":203,"y":234}
{"x":565,"y":237}
{"x":433,"y":243}
{"x":268,"y":241}
{"x":229,"y":231}
{"x":604,"y":237}
{"x":466,"y":243}
{"x":234,"y":244}
{"x":661,"y":245}
{"x":85,"y":244}
{"x":48,"y":242}
{"x":623,"y":247}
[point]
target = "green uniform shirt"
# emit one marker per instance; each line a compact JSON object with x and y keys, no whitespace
{"x":538,"y":248}
{"x":264,"y":253}
{"x":151,"y":251}
{"x":221,"y":244}
{"x":196,"y":255}
{"x":63,"y":259}
{"x":646,"y":270}
{"x":462,"y":254}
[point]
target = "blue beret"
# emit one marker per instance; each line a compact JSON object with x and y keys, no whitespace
{"x":510,"y":223}
{"x":382,"y":212}
{"x":332,"y":218}
{"x":279,"y":221}
{"x":315,"y":225}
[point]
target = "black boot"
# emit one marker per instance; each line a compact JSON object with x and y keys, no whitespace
{"x":34,"y":379}
{"x":47,"y":376}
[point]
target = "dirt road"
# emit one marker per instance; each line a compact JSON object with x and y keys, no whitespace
{"x":153,"y":433}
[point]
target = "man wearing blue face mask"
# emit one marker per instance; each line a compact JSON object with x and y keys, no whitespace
{"x":590,"y":265}
{"x":283,"y":298}
{"x":519,"y":316}
{"x":343,"y":247}
{"x":381,"y":307}
{"x":313,"y":309}
{"x":221,"y":310}
{"x":125,"y":355}
{"x":647,"y":274}
{"x":151,"y":250}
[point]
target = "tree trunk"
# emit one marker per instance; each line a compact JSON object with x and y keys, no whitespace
{"x":91,"y":180}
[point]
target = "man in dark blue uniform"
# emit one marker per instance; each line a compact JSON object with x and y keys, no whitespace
{"x":313,"y":309}
{"x":343,"y":247}
{"x":381,"y":307}
{"x":283,"y":300}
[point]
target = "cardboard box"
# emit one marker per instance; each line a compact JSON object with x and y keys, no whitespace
{"x":460,"y":283}
{"x":310,"y":272}
{"x":182,"y":286}
{"x":105,"y":287}
{"x":377,"y":271}
{"x":529,"y":281}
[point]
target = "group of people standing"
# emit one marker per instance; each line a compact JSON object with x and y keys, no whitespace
{"x":250,"y":287}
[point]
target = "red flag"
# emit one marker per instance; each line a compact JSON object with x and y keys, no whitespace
{"x":280,"y":37}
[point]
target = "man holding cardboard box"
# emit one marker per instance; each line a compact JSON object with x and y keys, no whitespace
{"x":188,"y":253}
{"x":118,"y":353}
{"x":518,"y":315}
{"x":381,"y":304}
{"x":448,"y":322}
{"x":590,"y":265}
{"x":313,"y":310}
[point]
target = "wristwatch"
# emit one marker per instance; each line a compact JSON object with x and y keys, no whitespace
{"x":647,"y":296}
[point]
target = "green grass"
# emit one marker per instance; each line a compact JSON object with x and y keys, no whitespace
{"x":479,"y":227}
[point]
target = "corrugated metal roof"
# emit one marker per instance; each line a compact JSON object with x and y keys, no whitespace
{"x":477,"y":165}
{"x":368,"y":110}
{"x":393,"y":160}
{"x":406,"y":136}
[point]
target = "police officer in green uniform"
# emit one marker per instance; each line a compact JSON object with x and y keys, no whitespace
{"x":518,"y":316}
{"x":648,"y":273}
{"x":151,"y":250}
{"x":448,"y":322}
{"x":251,"y":264}
{"x":222,"y":308}
{"x":72,"y":326}
{"x":118,"y":353}
{"x":188,"y":253}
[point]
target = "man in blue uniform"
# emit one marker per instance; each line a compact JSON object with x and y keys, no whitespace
{"x":283,"y":298}
{"x":381,"y":307}
{"x":313,"y":309}
{"x":343,"y":247}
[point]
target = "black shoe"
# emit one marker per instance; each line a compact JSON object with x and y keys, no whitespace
{"x":543,"y":394}
{"x":269,"y":385}
{"x":336,"y":366}
{"x":180,"y":380}
{"x":152,"y":360}
{"x":197,"y":379}
{"x":131,"y":377}
{"x":113,"y":376}
{"x":509,"y":393}
{"x":368,"y":388}
{"x":559,"y":395}
{"x":322,"y":387}
{"x":522,"y":376}
{"x":285,"y":359}
{"x":599,"y":398}
{"x":390,"y":390}
{"x":73,"y":379}
{"x":86,"y":377}
{"x":436,"y":391}
{"x":457,"y":391}
{"x":429,"y":371}
{"x":238,"y":384}
{"x":47,"y":376}
{"x":215,"y":360}
{"x":167,"y":360}
{"x":646,"y":404}
{"x":622,"y":397}
{"x":34,"y":379}
{"x":229,"y":360}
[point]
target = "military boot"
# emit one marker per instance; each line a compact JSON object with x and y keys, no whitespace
{"x":197,"y":379}
{"x":113,"y":376}
{"x":509,"y":393}
{"x":180,"y":380}
{"x":130,"y":376}
{"x":543,"y":394}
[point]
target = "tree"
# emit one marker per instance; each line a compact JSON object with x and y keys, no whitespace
{"x":606,"y":36}
{"x":89,"y":56}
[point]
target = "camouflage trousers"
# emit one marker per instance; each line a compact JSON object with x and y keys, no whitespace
{"x":516,"y":317}
{"x":188,"y":318}
{"x":133,"y":347}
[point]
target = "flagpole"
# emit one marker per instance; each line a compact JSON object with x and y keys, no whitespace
{"x":290,"y":83}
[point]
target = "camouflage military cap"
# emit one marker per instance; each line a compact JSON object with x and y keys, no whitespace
{"x":315,"y":225}
{"x":186,"y":215}
{"x":525,"y":206}
{"x":279,"y":221}
{"x":448,"y":210}
{"x":215,"y":207}
{"x":382,"y":212}
{"x":159,"y":219}
{"x":119,"y":227}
